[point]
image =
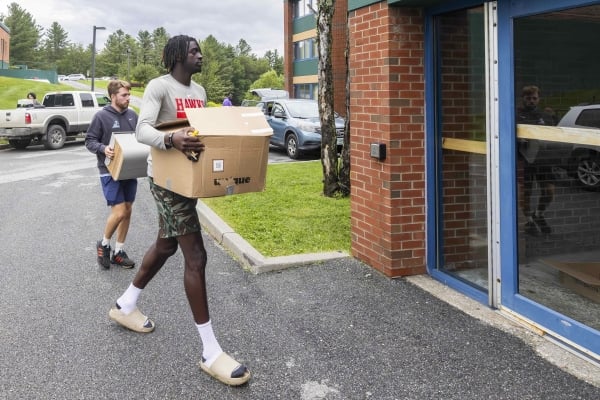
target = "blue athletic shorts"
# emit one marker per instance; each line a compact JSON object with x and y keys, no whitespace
{"x":117,"y":192}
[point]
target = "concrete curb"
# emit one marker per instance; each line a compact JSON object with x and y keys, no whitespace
{"x":247,"y":255}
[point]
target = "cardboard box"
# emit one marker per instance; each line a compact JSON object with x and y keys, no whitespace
{"x":130,"y":159}
{"x":581,"y":277}
{"x":234,"y":160}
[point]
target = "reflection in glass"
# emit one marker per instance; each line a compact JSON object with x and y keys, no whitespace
{"x":557,"y":85}
{"x":462,"y":172}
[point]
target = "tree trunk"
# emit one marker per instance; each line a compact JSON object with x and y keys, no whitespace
{"x":344,"y":174}
{"x":329,"y":158}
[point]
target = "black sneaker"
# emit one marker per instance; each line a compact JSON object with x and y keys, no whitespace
{"x":122,"y":259}
{"x":103,"y":255}
{"x":542,"y":224}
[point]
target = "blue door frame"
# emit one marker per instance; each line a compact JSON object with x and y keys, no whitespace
{"x":554,"y":323}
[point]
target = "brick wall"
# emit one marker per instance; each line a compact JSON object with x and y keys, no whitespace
{"x":4,"y":48}
{"x":288,"y":46}
{"x":387,"y":106}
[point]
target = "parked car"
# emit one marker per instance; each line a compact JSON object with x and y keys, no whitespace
{"x":61,"y":115}
{"x":296,"y":125}
{"x":62,"y":78}
{"x":76,"y":77}
{"x":584,"y":160}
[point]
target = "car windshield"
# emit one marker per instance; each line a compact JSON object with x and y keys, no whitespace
{"x":303,"y":109}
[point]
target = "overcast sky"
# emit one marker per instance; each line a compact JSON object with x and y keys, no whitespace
{"x":258,"y":22}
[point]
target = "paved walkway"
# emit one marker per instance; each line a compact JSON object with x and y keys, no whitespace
{"x":333,"y":329}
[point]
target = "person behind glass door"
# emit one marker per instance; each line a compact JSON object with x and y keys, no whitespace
{"x":537,"y":168}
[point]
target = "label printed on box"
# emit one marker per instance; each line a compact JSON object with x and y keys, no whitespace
{"x":218,"y":166}
{"x":236,"y":181}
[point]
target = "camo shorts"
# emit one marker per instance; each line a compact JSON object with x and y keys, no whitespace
{"x":177,"y":215}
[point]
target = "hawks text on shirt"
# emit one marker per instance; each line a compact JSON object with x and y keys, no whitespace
{"x":182,"y":104}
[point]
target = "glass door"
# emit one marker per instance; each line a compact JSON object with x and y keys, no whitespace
{"x":464,"y":113}
{"x":555,"y":120}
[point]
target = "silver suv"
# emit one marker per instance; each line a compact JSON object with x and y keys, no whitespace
{"x":584,"y":160}
{"x":296,"y":125}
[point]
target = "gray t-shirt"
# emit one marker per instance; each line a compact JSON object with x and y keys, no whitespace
{"x":165,"y":99}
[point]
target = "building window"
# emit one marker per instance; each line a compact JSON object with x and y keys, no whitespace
{"x":306,"y":91}
{"x":305,"y":49}
{"x":304,"y":7}
{"x":299,"y":53}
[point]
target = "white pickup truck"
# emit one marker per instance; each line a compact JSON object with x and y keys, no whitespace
{"x":60,"y":115}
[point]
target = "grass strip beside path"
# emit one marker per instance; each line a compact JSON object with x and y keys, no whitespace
{"x":291,"y":216}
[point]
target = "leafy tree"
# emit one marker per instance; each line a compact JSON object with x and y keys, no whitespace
{"x":243,"y":49}
{"x":275,"y":61}
{"x":145,"y":45}
{"x":24,"y":36}
{"x":160,"y":37}
{"x":226,"y":68}
{"x":270,"y":79}
{"x":143,"y":73}
{"x":55,"y":44}
{"x":114,"y":55}
{"x":246,"y":69}
{"x":216,"y":69}
{"x":77,"y":60}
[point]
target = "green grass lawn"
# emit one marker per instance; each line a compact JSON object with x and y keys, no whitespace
{"x":291,"y":216}
{"x":13,"y":89}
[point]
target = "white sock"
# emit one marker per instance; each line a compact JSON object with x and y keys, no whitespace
{"x":211,"y":349}
{"x":128,"y":300}
{"x":105,"y":241}
{"x":119,"y":246}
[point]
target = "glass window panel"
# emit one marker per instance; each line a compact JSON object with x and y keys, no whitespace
{"x":557,"y":88}
{"x":462,"y":174}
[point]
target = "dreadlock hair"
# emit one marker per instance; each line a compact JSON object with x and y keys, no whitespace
{"x":176,"y":50}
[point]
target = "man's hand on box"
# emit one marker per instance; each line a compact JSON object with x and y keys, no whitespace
{"x":184,"y":141}
{"x":187,"y":141}
{"x":109,"y":152}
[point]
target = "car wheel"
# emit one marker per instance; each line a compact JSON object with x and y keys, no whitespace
{"x":19,"y":144}
{"x":55,"y":137}
{"x":291,"y":146}
{"x":588,"y":171}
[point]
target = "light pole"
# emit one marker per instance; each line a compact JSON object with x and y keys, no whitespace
{"x":94,"y":53}
{"x":128,"y":54}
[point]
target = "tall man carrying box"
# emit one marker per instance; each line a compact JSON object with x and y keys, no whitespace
{"x":165,"y":99}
